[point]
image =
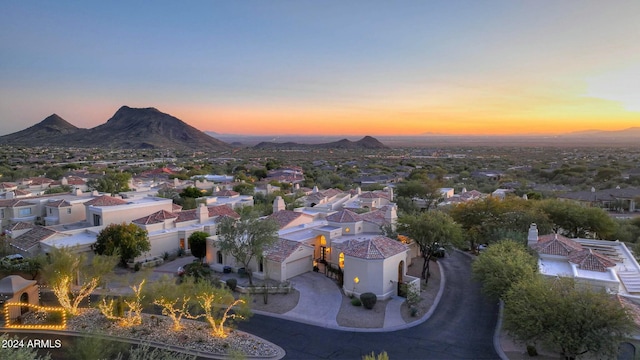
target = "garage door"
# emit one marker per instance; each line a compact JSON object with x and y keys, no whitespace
{"x":299,"y":266}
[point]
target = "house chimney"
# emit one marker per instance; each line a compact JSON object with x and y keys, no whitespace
{"x":64,"y":181}
{"x":315,"y":189}
{"x":533,"y":235}
{"x":391,"y":216}
{"x":296,"y":186}
{"x":176,"y":182}
{"x":358,"y":190}
{"x":203,"y":213}
{"x":278,"y":204}
{"x":390,"y":191}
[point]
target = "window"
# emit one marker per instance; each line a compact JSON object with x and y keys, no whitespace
{"x":219,"y":257}
{"x":50,"y":211}
{"x":341,"y":260}
{"x":96,"y":220}
{"x":24,"y":212}
{"x":1,"y":213}
{"x":347,"y":230}
{"x":69,"y":211}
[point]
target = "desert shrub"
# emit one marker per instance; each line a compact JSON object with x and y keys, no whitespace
{"x":232,"y":283}
{"x":368,"y":300}
{"x":356,"y":302}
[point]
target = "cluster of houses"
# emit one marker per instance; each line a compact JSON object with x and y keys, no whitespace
{"x":339,"y":230}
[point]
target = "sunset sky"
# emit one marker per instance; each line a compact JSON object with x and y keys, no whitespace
{"x":326,"y":67}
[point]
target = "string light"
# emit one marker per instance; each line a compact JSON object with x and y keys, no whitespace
{"x":8,"y":323}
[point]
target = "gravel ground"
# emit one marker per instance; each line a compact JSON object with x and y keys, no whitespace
{"x":195,"y":335}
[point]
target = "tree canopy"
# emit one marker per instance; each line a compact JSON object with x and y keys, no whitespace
{"x":127,"y":240}
{"x":502,"y":265}
{"x":577,"y":320}
{"x":198,"y":244}
{"x":573,"y":220}
{"x":246,"y":239}
{"x":111,"y":183}
{"x":430,"y":230}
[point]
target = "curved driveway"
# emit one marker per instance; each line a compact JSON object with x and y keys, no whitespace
{"x":461,"y":327}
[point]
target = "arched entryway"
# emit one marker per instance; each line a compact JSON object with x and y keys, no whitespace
{"x":24,"y":299}
{"x":402,"y":290}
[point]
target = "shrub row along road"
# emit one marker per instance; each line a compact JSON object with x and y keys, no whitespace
{"x":461,"y":327}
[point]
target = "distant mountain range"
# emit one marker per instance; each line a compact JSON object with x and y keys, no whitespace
{"x":366,"y":142}
{"x":128,"y":128}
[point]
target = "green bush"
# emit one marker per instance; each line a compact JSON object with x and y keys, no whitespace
{"x":356,"y":302}
{"x":368,"y":300}
{"x":232,"y":283}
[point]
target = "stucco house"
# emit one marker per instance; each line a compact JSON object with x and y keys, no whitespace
{"x":600,"y":264}
{"x":350,"y":243}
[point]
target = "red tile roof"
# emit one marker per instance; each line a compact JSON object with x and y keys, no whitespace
{"x":555,"y":244}
{"x":7,"y":185}
{"x":105,"y":200}
{"x":58,"y":203}
{"x":223,"y":210}
{"x":19,"y":192}
{"x":284,"y":217}
{"x":588,"y":260}
{"x":380,"y":247}
{"x":344,"y":216}
{"x":21,"y":225}
{"x":281,"y":250}
{"x":32,"y":237}
{"x":155,"y":218}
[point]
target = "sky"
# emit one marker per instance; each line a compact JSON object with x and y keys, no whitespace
{"x":326,"y":67}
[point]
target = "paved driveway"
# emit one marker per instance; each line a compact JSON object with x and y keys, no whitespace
{"x":320,"y":300}
{"x":461,"y":327}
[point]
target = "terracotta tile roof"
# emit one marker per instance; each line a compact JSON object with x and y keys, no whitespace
{"x":105,"y":200}
{"x":316,"y":197}
{"x":21,"y":225}
{"x":176,"y":207}
{"x":632,"y":308}
{"x":227,"y":193}
{"x":375,"y":195}
{"x":222,"y":210}
{"x":214,"y":211}
{"x":331,"y":192}
{"x":40,"y":180}
{"x":376,"y":217}
{"x":186,"y":215}
{"x":155,"y":218}
{"x":344,"y":216}
{"x":555,"y":244}
{"x":74,"y":180}
{"x":380,"y":247}
{"x":32,"y":237}
{"x":19,"y":192}
{"x":7,"y":185}
{"x":58,"y":203}
{"x":588,"y":260}
{"x":281,"y":250}
{"x":284,"y":217}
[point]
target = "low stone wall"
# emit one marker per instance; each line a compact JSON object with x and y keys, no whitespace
{"x":280,"y":289}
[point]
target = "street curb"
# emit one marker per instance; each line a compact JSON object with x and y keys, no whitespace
{"x":496,"y":335}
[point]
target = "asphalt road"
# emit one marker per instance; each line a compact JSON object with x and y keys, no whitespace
{"x":461,"y":327}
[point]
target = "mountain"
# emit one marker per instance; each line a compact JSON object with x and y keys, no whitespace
{"x":366,"y":142}
{"x":42,"y":133}
{"x":629,"y":132}
{"x":128,"y":128}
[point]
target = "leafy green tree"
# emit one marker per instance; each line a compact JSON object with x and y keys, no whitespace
{"x":573,"y":220}
{"x":246,"y":239}
{"x":502,"y":265}
{"x":431,"y":231}
{"x":168,"y":193}
{"x":244,"y":188}
{"x":58,"y":189}
{"x":111,"y":183}
{"x":490,"y":219}
{"x":66,"y":268}
{"x":127,"y":240}
{"x":424,"y":189}
{"x":577,"y":320}
{"x":191,"y":192}
{"x":198,"y":244}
